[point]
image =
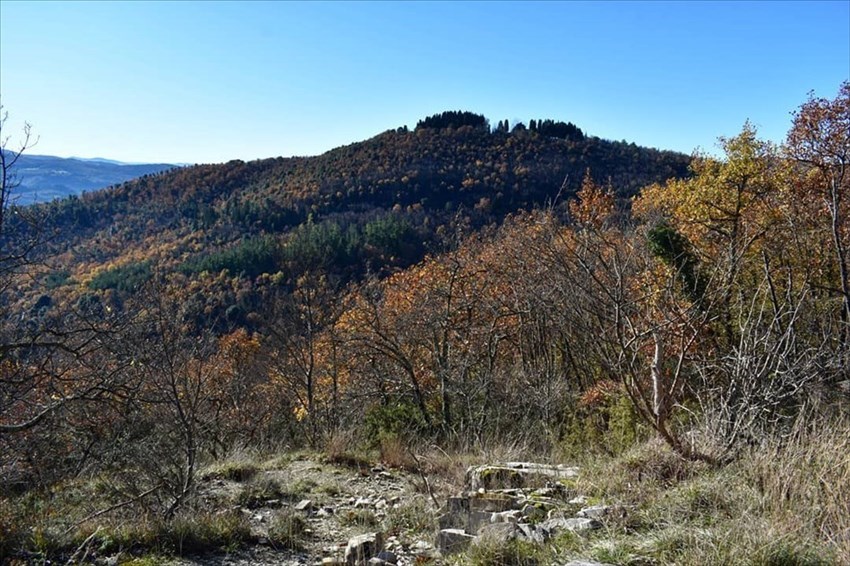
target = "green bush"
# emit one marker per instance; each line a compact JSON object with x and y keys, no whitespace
{"x":231,"y":470}
{"x":609,"y":425}
{"x":398,"y":419}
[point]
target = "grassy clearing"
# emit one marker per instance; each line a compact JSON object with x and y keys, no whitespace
{"x":783,"y":502}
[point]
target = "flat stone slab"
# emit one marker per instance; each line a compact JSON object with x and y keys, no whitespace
{"x":575,"y":525}
{"x":513,"y":475}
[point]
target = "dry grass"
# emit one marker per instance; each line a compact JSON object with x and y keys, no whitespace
{"x":338,"y":451}
{"x":784,"y":502}
{"x":801,"y":482}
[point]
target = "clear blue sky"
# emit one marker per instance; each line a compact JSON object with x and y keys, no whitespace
{"x":209,"y":82}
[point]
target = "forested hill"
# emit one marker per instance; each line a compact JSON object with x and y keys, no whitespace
{"x":373,"y":206}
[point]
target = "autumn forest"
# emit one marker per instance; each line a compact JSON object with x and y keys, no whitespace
{"x":456,"y":285}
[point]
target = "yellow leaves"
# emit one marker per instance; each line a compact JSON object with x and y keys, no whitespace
{"x":730,"y":207}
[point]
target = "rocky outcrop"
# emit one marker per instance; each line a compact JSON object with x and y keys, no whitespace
{"x":516,"y":475}
{"x":516,"y":500}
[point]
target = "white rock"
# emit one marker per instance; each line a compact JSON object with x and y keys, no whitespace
{"x":363,"y":547}
{"x":304,"y":505}
{"x":594,"y":512}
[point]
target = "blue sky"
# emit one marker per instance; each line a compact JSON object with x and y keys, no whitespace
{"x":208,"y":82}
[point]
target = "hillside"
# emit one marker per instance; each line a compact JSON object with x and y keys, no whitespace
{"x":44,"y":178}
{"x":372,"y":206}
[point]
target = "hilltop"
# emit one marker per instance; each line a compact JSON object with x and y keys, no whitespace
{"x":373,"y":206}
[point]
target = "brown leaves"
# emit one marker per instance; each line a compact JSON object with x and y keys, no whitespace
{"x":594,"y":206}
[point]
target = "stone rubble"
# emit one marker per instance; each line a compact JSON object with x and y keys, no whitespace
{"x":515,"y":500}
{"x":501,"y":502}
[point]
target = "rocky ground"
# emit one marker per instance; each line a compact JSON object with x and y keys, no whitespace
{"x":337,"y":503}
{"x":376,"y":515}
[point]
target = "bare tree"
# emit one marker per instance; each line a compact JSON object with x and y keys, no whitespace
{"x":300,"y":328}
{"x":636,"y":323}
{"x":758,"y":383}
{"x":8,"y":160}
{"x":177,"y":399}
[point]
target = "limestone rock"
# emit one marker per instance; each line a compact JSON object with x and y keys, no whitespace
{"x":363,"y":547}
{"x":574,"y":524}
{"x":512,"y":516}
{"x":304,"y":505}
{"x":516,"y":475}
{"x":422,"y":546}
{"x":469,"y":512}
{"x":387,"y":557}
{"x":531,"y":533}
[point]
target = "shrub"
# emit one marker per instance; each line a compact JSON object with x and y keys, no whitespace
{"x":399,"y":419}
{"x":231,"y":470}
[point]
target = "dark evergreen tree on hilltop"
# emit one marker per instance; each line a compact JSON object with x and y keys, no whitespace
{"x":561,"y":130}
{"x":454,"y":119}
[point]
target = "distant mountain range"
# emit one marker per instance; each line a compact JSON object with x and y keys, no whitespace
{"x":44,"y":178}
